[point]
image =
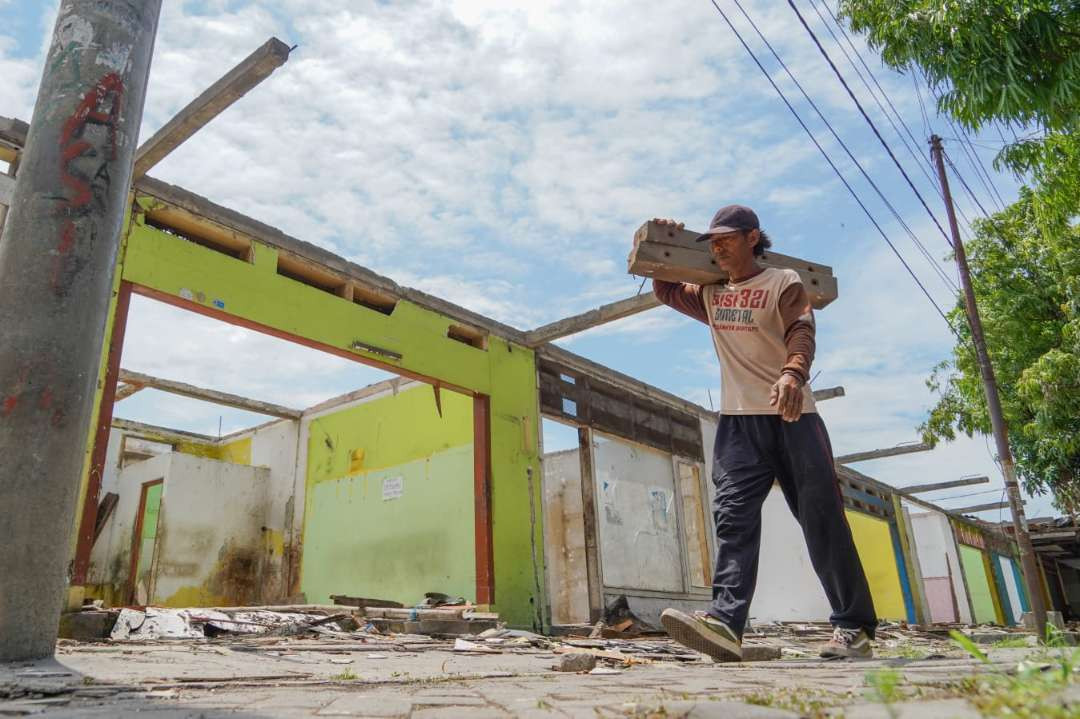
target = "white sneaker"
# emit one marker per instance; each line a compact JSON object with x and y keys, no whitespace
{"x":848,"y":644}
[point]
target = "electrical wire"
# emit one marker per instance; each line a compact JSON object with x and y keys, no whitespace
{"x":964,"y":183}
{"x":922,"y":105}
{"x":987,"y":183}
{"x":835,"y":169}
{"x":914,"y":238}
{"x":918,"y":159}
{"x":862,"y":111}
{"x":980,"y":167}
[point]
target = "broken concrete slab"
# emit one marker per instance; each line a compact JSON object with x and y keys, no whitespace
{"x":87,"y":626}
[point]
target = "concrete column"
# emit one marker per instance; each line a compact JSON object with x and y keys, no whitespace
{"x":57,"y":259}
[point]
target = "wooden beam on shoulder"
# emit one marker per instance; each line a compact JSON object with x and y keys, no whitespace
{"x":965,"y":482}
{"x":252,"y":70}
{"x":593,"y":318}
{"x":885,"y":452}
{"x":209,"y":395}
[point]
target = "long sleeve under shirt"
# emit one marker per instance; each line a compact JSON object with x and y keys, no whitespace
{"x":761,"y":327}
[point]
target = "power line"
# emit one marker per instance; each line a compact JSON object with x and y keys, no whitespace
{"x":914,"y":238}
{"x":987,"y":183}
{"x":918,"y":160}
{"x":840,"y":77}
{"x":965,"y":184}
{"x":980,"y":171}
{"x":922,"y":105}
{"x":832,"y":164}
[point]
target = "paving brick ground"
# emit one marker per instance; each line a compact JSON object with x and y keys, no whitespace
{"x":317,"y":678}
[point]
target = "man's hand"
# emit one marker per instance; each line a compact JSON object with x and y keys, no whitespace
{"x":668,"y":223}
{"x":787,"y":396}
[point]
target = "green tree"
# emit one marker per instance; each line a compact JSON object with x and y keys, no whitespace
{"x":1028,"y":289}
{"x":1012,"y":61}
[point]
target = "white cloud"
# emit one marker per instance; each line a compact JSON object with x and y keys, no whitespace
{"x":500,"y":154}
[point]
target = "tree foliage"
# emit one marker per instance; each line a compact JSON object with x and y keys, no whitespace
{"x":1011,"y":61}
{"x":1015,"y":62}
{"x":1028,"y":290}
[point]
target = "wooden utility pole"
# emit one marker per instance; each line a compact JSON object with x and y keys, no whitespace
{"x":993,"y":401}
{"x":58,"y":256}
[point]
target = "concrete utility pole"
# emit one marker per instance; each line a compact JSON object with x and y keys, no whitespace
{"x":57,"y":259}
{"x":993,"y":401}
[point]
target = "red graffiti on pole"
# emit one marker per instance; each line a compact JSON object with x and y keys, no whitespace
{"x":84,"y":170}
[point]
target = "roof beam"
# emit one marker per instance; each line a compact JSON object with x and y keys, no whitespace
{"x":886,"y":452}
{"x":1054,"y":536}
{"x":209,"y":395}
{"x":126,"y":390}
{"x":981,"y":507}
{"x":965,"y":482}
{"x":820,"y":395}
{"x":160,"y":434}
{"x":255,"y":68}
{"x":593,"y":318}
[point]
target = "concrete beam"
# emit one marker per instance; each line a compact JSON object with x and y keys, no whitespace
{"x":160,"y":434}
{"x":126,"y":390}
{"x":968,"y":481}
{"x":593,"y":318}
{"x":820,"y":395}
{"x":886,"y":452}
{"x":209,"y":395}
{"x":981,"y":508}
{"x":255,"y":68}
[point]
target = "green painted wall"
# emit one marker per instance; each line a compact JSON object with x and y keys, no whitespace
{"x":358,"y":542}
{"x":978,"y":585}
{"x":253,"y":292}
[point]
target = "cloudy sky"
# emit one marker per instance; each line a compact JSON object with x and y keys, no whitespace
{"x":501,"y":153}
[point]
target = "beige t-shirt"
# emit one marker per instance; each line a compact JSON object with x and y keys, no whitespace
{"x":748,"y":333}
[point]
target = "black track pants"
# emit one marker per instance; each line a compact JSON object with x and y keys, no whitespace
{"x":751,"y":452}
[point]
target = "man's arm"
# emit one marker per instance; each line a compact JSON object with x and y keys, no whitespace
{"x":799,"y":331}
{"x":686,"y":298}
{"x":798,"y":318}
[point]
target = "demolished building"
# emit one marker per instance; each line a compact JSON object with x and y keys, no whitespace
{"x":456,"y":493}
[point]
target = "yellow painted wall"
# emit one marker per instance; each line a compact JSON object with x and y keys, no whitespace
{"x":358,"y":541}
{"x":874,"y":542}
{"x":253,"y":292}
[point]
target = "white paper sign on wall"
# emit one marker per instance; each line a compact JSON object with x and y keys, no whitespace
{"x":393,"y":488}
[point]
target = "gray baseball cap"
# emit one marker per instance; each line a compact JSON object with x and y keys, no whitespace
{"x":731,"y":219}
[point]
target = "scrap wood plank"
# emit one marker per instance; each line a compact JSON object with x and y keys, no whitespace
{"x":364,"y":602}
{"x":252,"y":70}
{"x":665,"y":253}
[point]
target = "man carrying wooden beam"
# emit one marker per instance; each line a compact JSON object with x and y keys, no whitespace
{"x":763,"y":331}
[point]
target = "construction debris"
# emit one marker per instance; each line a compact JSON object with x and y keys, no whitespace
{"x":576,"y":663}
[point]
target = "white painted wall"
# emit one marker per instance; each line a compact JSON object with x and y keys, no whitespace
{"x":564,"y":538}
{"x":787,"y":587}
{"x":111,"y":555}
{"x":638,"y":528}
{"x":212,"y":515}
{"x":938,"y":556}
